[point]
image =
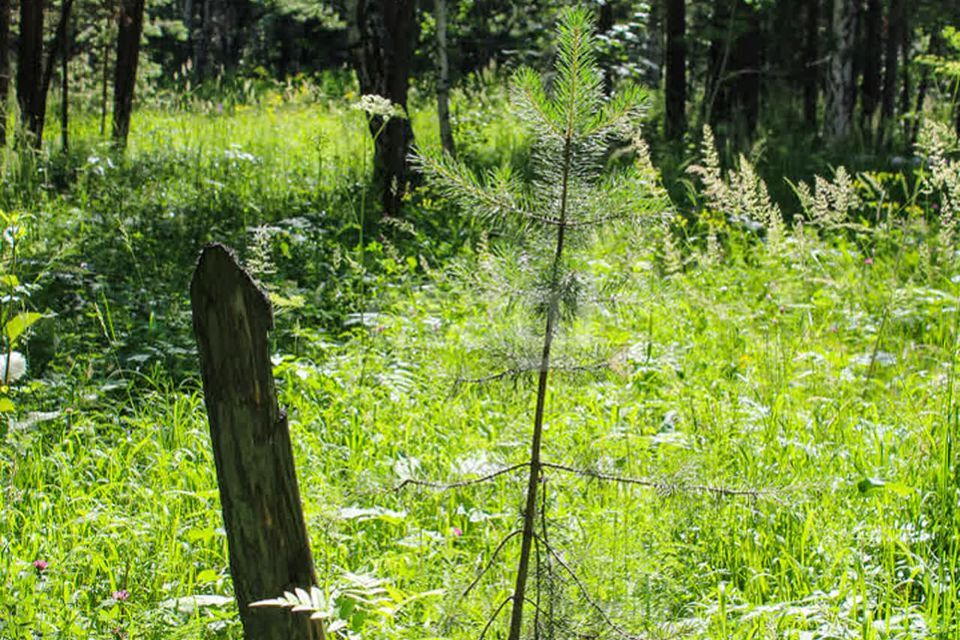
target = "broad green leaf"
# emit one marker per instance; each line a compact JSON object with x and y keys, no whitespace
{"x":20,"y":323}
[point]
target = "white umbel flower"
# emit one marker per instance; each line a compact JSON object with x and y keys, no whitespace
{"x":14,"y":368}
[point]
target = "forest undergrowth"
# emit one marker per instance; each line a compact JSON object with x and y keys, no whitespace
{"x":779,"y":394}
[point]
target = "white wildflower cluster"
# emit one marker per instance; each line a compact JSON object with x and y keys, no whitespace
{"x":942,"y":181}
{"x":377,"y":106}
{"x":742,"y":195}
{"x":829,"y":203}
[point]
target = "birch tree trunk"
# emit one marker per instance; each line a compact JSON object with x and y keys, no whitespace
{"x":838,"y":111}
{"x":443,"y":79}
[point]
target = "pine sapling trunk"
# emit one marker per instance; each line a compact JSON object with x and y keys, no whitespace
{"x":553,"y":310}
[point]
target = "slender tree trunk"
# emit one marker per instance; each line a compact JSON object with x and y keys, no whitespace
{"x":676,"y":84}
{"x":923,"y":86}
{"x":533,"y":481}
{"x":30,"y":71}
{"x":383,"y":35}
{"x":4,"y":68}
{"x":906,"y":40}
{"x":58,"y":51}
{"x":840,"y":94}
{"x":872,"y":54}
{"x":188,"y":27}
{"x":811,"y":65}
{"x":443,"y":79}
{"x":104,"y":78}
{"x":605,"y":21}
{"x":890,"y":65}
{"x":65,"y":90}
{"x":125,"y":73}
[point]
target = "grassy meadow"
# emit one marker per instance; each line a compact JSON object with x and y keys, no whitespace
{"x":781,"y":400}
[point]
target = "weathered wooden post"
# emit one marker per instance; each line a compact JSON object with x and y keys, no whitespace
{"x":266,"y":534}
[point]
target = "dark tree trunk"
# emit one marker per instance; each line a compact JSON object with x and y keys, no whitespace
{"x":104,"y":79}
{"x":4,"y":68}
{"x":30,"y":71}
{"x":605,"y":22}
{"x":811,"y":65}
{"x":443,"y":79}
{"x":266,"y":536}
{"x":906,"y":40}
{"x":736,"y":61}
{"x":130,"y":27}
{"x":871,"y":55}
{"x":59,"y":51}
{"x":65,"y":89}
{"x":676,"y":83}
{"x":383,"y":34}
{"x":888,"y":98}
{"x":923,"y":86}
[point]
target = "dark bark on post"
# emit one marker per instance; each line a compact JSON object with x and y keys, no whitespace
{"x":383,"y":35}
{"x":125,"y":74}
{"x":266,"y":535}
{"x":30,"y":71}
{"x":811,"y":68}
{"x":4,"y":68}
{"x":676,"y":84}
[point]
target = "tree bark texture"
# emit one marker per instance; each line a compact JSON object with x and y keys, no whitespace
{"x":383,"y":36}
{"x":65,"y":87}
{"x":130,"y":27}
{"x":838,"y":111}
{"x":811,"y":65}
{"x":443,"y":78}
{"x":30,"y":71}
{"x":735,"y":67}
{"x":891,"y":61}
{"x":4,"y":68}
{"x":676,"y":83}
{"x":266,"y":535}
{"x":872,"y":55}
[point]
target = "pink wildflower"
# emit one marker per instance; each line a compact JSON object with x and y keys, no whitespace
{"x":120,"y":596}
{"x":868,"y":261}
{"x":457,"y":531}
{"x":40,"y":565}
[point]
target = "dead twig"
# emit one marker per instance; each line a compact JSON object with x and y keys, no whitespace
{"x":439,"y":486}
{"x":493,"y":558}
{"x":493,"y":617}
{"x":660,"y":486}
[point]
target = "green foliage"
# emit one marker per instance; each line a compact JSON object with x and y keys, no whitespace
{"x":821,"y":375}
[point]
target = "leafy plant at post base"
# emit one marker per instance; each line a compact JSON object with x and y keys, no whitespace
{"x":574,"y":126}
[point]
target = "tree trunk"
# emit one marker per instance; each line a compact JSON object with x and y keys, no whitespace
{"x":905,"y":43}
{"x":383,"y":35}
{"x":811,"y":66}
{"x":266,"y":535}
{"x":65,"y":89}
{"x":890,"y":64}
{"x":130,"y":27}
{"x":58,"y":52}
{"x":676,"y":83}
{"x":736,"y":61}
{"x":838,"y":115}
{"x":30,"y":71}
{"x":605,"y":22}
{"x":104,"y":79}
{"x":4,"y":68}
{"x":443,"y":79}
{"x":872,"y":54}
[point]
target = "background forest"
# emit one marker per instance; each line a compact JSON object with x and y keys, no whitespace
{"x":751,"y":334}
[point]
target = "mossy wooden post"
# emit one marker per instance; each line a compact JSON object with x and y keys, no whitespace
{"x":266,"y":535}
